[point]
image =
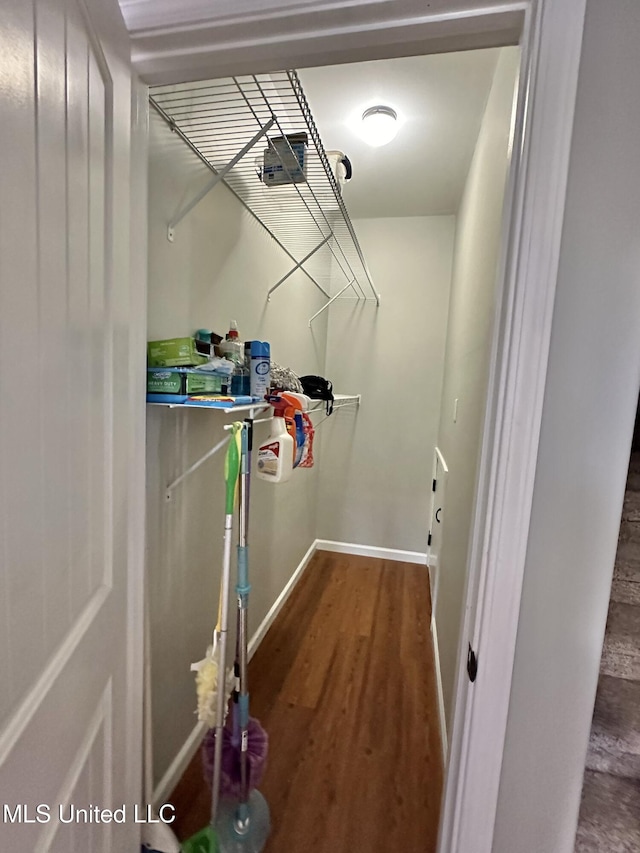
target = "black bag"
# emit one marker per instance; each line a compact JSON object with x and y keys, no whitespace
{"x":318,"y":388}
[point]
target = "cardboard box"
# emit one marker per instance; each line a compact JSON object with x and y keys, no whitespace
{"x":174,"y":352}
{"x":285,"y":160}
{"x":177,"y":381}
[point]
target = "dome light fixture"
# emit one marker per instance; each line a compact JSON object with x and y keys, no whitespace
{"x":379,"y":125}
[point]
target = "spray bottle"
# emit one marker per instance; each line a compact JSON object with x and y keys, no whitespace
{"x":276,"y":455}
{"x":295,"y":423}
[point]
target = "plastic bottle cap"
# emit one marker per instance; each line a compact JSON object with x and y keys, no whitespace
{"x":260,"y":349}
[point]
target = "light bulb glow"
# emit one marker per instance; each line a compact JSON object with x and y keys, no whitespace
{"x":379,"y":125}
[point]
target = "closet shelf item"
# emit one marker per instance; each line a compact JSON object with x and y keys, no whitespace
{"x":253,"y":408}
{"x":230,"y":124}
{"x":339,"y":401}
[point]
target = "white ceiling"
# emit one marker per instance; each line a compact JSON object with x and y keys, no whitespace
{"x":440,"y":100}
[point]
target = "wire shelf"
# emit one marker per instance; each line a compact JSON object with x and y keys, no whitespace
{"x":229,"y":124}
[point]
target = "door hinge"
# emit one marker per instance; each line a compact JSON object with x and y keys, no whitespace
{"x":429,"y":539}
{"x":433,"y":487}
{"x":472,"y":664}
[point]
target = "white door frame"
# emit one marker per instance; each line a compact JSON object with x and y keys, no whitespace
{"x":304,"y":34}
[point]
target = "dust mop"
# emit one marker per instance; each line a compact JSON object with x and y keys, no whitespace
{"x":211,"y":686}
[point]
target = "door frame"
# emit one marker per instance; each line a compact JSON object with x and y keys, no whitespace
{"x":550,"y":34}
{"x":434,"y":573}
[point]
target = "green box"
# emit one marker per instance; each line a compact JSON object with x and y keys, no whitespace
{"x":174,"y":352}
{"x":172,"y":380}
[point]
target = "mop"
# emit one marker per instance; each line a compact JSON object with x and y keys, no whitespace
{"x":243,"y":826}
{"x":211,"y":687}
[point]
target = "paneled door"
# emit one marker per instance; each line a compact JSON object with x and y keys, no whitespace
{"x":69,"y":552}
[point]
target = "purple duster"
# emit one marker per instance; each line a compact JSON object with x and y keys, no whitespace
{"x":230,"y":770}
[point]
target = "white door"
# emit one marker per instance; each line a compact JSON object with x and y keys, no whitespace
{"x":69,"y":655}
{"x":434,"y":541}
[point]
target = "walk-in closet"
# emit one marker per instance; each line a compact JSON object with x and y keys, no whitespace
{"x":384,"y":284}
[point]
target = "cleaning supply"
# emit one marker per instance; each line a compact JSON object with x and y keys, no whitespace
{"x":243,"y":820}
{"x":232,"y":348}
{"x":295,"y":423}
{"x":276,"y":455}
{"x":206,"y":841}
{"x":309,"y":434}
{"x":260,"y":368}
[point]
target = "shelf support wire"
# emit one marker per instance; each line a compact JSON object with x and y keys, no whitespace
{"x":304,"y":106}
{"x":297,"y":187}
{"x":333,"y":299}
{"x":195,"y":466}
{"x":338,"y":404}
{"x":327,"y":216}
{"x":300,"y":265}
{"x":219,"y":176}
{"x":174,"y":127}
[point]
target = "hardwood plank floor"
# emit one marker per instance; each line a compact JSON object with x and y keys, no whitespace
{"x":344,"y":683}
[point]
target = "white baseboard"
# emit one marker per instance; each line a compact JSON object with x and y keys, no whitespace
{"x":179,"y":765}
{"x":266,"y":623}
{"x":441,"y":711}
{"x":190,"y":747}
{"x":372,"y":551}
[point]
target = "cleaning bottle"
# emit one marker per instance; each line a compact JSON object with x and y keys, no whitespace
{"x":260,"y":363}
{"x":295,"y":424}
{"x":275,"y":456}
{"x":232,"y":349}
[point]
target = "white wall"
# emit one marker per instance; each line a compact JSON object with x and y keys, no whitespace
{"x":469,"y":336}
{"x":376,"y":461}
{"x":589,"y":406}
{"x":219,"y":267}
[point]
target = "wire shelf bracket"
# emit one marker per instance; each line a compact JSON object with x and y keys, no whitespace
{"x":217,"y":177}
{"x":300,"y":265}
{"x":222,"y":121}
{"x":252,"y":409}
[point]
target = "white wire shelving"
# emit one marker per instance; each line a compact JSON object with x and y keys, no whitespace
{"x":339,"y":401}
{"x":229,"y":124}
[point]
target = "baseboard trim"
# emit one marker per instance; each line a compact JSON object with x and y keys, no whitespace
{"x":190,"y":747}
{"x":441,"y":711}
{"x":179,"y":764}
{"x":277,"y":606}
{"x":372,"y":551}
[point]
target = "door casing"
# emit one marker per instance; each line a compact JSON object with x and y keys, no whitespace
{"x":550,"y":35}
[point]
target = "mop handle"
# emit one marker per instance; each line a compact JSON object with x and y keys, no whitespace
{"x":243,"y":588}
{"x":231,"y":472}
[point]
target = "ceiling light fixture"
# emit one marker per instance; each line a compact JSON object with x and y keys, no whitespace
{"x":379,"y":125}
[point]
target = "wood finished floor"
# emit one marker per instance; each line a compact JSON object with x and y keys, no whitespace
{"x":344,"y":683}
